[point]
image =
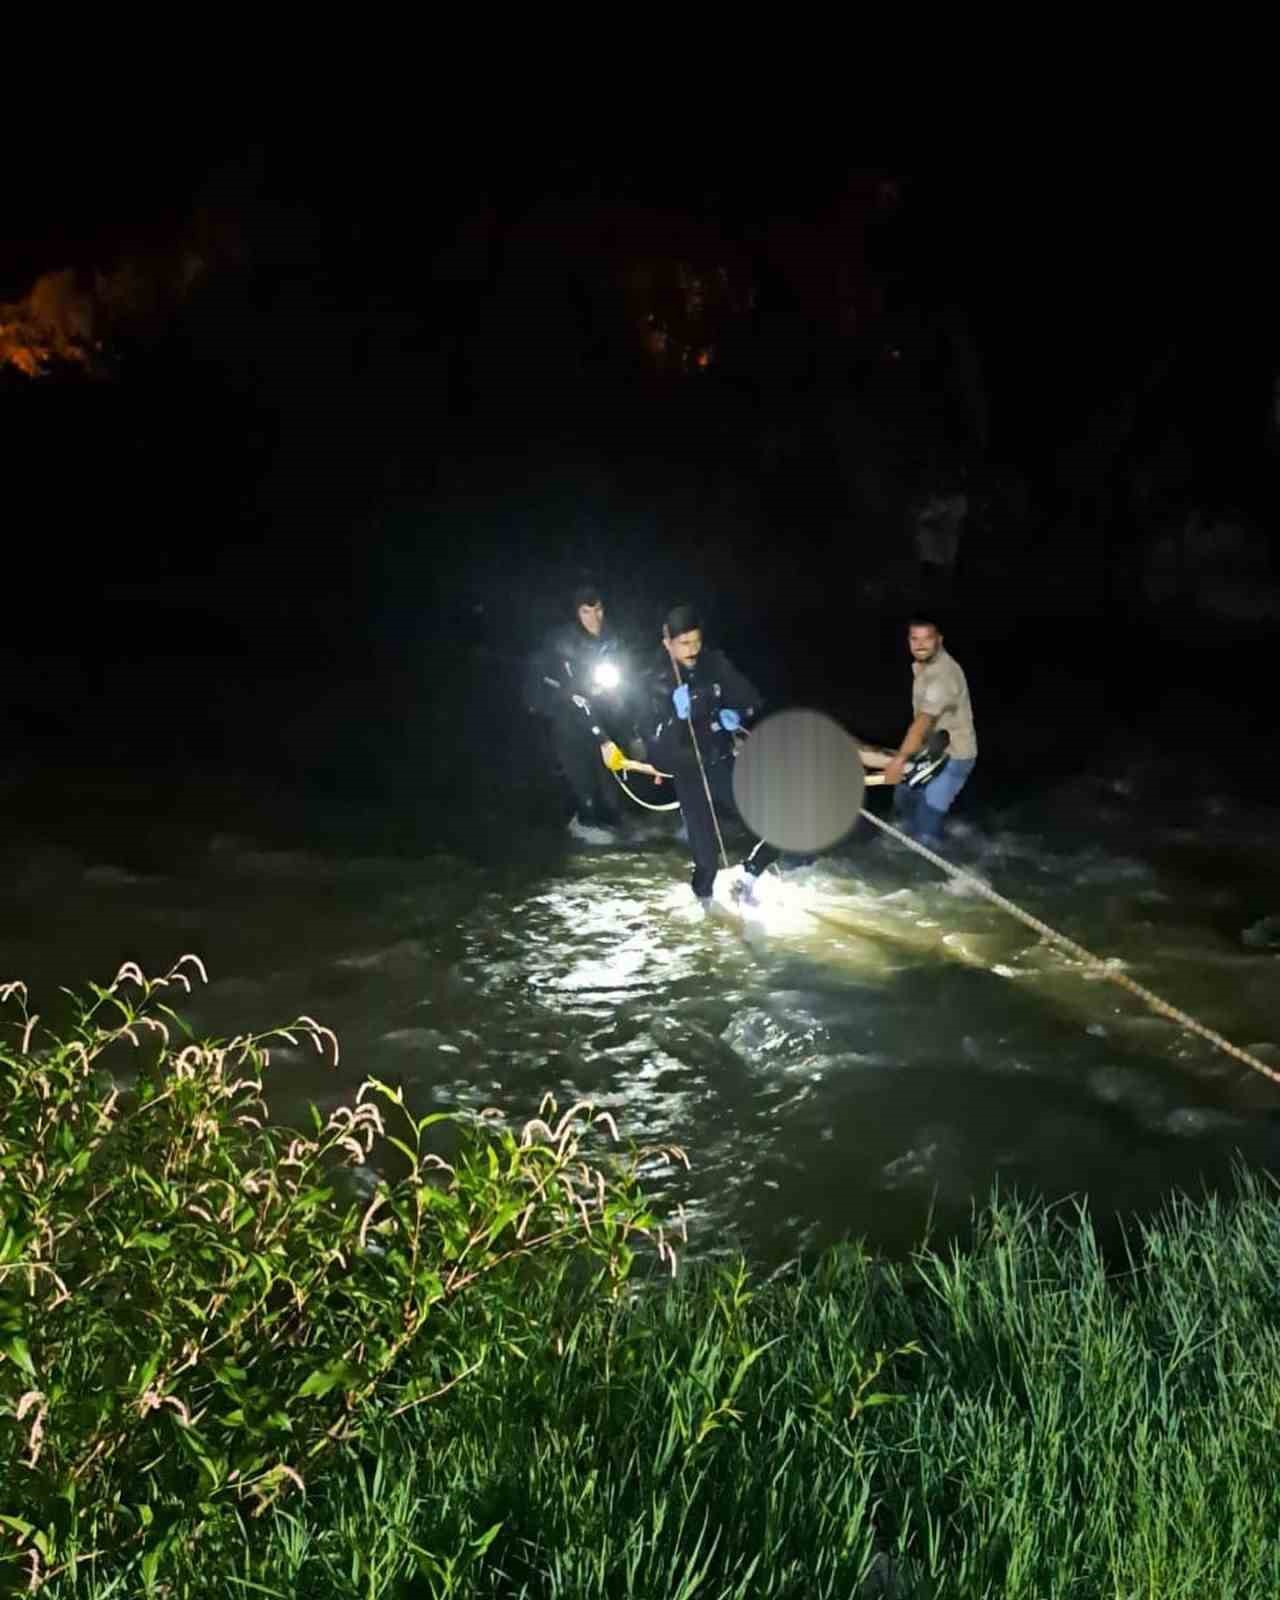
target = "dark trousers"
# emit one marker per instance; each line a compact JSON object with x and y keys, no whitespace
{"x":701,"y":825}
{"x":577,"y":753}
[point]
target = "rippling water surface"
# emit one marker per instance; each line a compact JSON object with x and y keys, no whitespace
{"x":862,"y":1069}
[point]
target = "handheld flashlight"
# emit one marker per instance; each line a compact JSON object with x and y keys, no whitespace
{"x":606,"y":677}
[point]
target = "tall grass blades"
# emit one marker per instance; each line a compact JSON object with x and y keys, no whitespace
{"x":1022,"y":1419}
{"x":201,"y":1312}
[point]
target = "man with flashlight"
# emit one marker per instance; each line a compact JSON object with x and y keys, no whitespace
{"x":579,"y":683}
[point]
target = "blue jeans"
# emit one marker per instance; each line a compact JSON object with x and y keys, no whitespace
{"x":919,"y":812}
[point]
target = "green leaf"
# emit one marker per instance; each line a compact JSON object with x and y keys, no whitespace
{"x":429,"y":1284}
{"x":183,"y":1027}
{"x":148,"y":1371}
{"x":149,"y":1241}
{"x":214,"y":1466}
{"x":396,"y":1096}
{"x":19,"y":1352}
{"x":320,"y":1382}
{"x":505,"y":1218}
{"x":748,"y":1361}
{"x":481,"y":1544}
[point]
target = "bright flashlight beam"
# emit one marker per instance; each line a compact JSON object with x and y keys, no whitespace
{"x":607,"y":676}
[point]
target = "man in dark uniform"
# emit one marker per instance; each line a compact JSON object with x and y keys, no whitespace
{"x":578,"y":681}
{"x":700,"y":701}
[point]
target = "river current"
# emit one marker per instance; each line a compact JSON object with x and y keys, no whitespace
{"x":872,"y":1070}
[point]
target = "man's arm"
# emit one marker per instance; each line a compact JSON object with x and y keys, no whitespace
{"x":604,"y":735}
{"x":914,"y":739}
{"x":737,"y":690}
{"x":552,"y":680}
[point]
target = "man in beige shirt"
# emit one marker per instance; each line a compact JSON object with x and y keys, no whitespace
{"x":940,"y":704}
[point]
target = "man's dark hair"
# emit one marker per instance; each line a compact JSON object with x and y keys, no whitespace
{"x":586,"y":594}
{"x":683,"y":618}
{"x":923,"y":622}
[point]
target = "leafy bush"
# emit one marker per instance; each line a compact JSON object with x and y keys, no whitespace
{"x":203,"y":1313}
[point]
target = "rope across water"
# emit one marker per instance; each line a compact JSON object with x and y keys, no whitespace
{"x":1103,"y":968}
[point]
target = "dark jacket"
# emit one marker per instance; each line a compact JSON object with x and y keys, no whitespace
{"x":562,"y":682}
{"x":713,"y":682}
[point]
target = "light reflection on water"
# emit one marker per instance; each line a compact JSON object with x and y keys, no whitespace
{"x":875,"y":1047}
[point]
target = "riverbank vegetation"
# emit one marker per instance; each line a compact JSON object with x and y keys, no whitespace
{"x":404,"y":1355}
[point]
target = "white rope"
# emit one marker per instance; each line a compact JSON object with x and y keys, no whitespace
{"x":669,"y":805}
{"x":1103,"y":968}
{"x":702,"y":773}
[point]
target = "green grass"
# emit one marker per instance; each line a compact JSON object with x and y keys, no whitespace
{"x":1011,"y":1421}
{"x":1016,"y":1420}
{"x":1021,"y":1418}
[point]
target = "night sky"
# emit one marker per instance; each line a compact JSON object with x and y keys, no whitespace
{"x":350,"y":402}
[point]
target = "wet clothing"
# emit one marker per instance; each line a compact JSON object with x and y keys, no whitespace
{"x":713,"y":682}
{"x":919,"y":812}
{"x":577,"y":758}
{"x":562,"y":685}
{"x":701,"y":826}
{"x":941,"y":689}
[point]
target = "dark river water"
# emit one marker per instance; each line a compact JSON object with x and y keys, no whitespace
{"x":863,"y":1071}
